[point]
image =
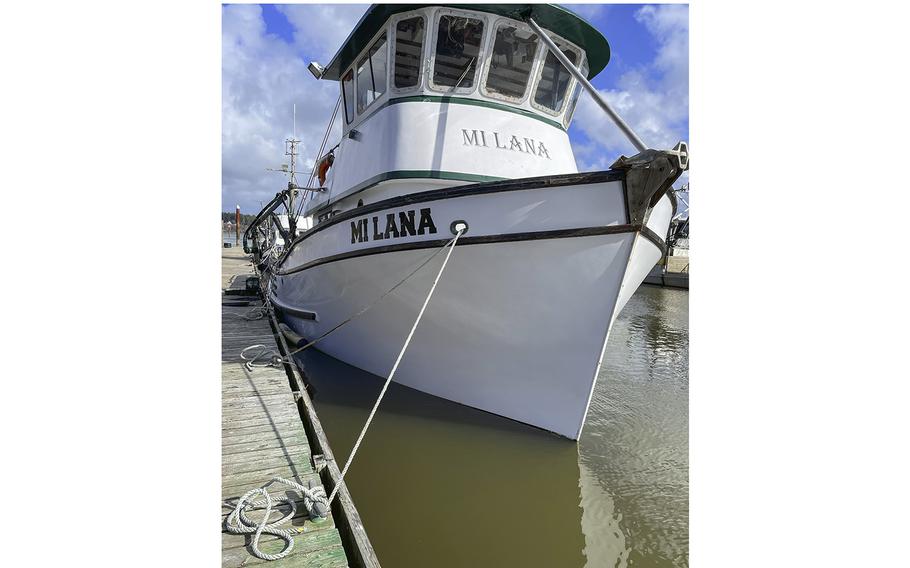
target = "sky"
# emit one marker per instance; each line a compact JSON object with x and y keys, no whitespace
{"x":266,"y":48}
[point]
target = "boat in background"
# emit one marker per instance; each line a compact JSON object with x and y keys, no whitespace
{"x":672,"y":271}
{"x":454,"y":122}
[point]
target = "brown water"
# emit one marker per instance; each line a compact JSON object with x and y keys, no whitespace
{"x":443,"y":485}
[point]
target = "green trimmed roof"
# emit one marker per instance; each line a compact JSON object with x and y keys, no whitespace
{"x":560,"y":21}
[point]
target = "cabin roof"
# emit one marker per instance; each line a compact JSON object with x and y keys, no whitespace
{"x":551,"y":17}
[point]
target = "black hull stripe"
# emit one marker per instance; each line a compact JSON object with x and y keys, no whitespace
{"x":479,"y":240}
{"x":654,"y":238}
{"x":541,"y":182}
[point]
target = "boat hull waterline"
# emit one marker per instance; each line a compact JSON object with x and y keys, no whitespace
{"x":519,"y":321}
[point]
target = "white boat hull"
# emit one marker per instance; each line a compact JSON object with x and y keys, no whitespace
{"x":520,"y":318}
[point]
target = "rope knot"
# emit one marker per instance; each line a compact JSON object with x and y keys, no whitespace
{"x":238,"y":522}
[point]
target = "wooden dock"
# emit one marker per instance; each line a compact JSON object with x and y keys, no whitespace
{"x":675,"y":276}
{"x":264,"y":433}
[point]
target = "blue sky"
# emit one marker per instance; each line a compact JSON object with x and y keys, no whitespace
{"x":265,"y":49}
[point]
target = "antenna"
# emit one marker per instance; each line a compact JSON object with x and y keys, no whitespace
{"x":291,"y":150}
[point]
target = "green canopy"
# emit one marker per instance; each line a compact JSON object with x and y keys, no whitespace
{"x":556,"y":19}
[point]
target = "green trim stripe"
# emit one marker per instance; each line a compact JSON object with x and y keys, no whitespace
{"x":471,"y":102}
{"x":409,"y":174}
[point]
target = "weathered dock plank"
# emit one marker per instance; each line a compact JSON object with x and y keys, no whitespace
{"x":234,"y":422}
{"x":315,"y":535}
{"x":280,"y":435}
{"x":276,"y":432}
{"x":310,"y":551}
{"x":263,"y":437}
{"x":238,"y":484}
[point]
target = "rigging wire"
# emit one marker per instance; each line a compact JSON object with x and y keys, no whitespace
{"x":368,"y":306}
{"x":266,"y":357}
{"x":325,"y":139}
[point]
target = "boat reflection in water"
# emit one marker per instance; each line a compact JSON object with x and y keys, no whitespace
{"x":442,"y":481}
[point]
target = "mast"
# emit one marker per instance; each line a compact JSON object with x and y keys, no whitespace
{"x":237,"y":226}
{"x":291,"y":150}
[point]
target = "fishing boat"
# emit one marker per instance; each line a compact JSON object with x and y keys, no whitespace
{"x":454,"y":123}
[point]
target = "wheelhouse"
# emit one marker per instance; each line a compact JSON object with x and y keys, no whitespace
{"x":482,"y":53}
{"x":485,"y":99}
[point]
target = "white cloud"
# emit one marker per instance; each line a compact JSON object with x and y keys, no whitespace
{"x":322,"y":28}
{"x":587,"y":11}
{"x":262,"y":77}
{"x":653,"y":100}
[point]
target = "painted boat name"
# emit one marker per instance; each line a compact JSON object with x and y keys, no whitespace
{"x":393,"y":226}
{"x":501,"y":141}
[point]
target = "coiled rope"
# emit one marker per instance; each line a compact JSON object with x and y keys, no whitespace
{"x":239,"y":523}
{"x":264,"y":357}
{"x":253,"y":314}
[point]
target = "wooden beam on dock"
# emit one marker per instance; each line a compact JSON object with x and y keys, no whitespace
{"x":263,"y":436}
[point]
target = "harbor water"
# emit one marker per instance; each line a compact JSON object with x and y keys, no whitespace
{"x":439,"y":484}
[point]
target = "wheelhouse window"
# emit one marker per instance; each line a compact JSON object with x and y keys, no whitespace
{"x":510,"y":65}
{"x":372,"y":72}
{"x":573,"y":100}
{"x":409,"y":38}
{"x":554,"y":82}
{"x":458,"y":40}
{"x":347,"y":92}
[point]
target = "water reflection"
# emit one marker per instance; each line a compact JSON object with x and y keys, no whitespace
{"x":445,"y":485}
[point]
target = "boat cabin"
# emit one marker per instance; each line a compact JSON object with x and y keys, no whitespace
{"x":441,"y":95}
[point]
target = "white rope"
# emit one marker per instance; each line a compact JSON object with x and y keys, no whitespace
{"x":253,"y":314}
{"x":363,"y":310}
{"x":239,"y":523}
{"x":265,"y":357}
{"x":394,"y":368}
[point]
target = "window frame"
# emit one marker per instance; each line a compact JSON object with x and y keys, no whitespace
{"x":573,"y":99}
{"x":344,"y":100}
{"x":481,"y":51}
{"x":365,"y":55}
{"x":488,"y":62}
{"x":560,"y":43}
{"x":422,"y":70}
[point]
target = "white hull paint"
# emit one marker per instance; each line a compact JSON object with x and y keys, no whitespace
{"x":453,"y":138}
{"x":520,"y":319}
{"x":519,"y":322}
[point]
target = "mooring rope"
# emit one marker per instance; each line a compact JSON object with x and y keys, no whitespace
{"x":265,"y":357}
{"x":253,"y":314}
{"x":239,"y":523}
{"x":273,"y":359}
{"x":388,"y":380}
{"x":373,"y":303}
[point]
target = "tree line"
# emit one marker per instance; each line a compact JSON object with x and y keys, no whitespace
{"x":230,"y":216}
